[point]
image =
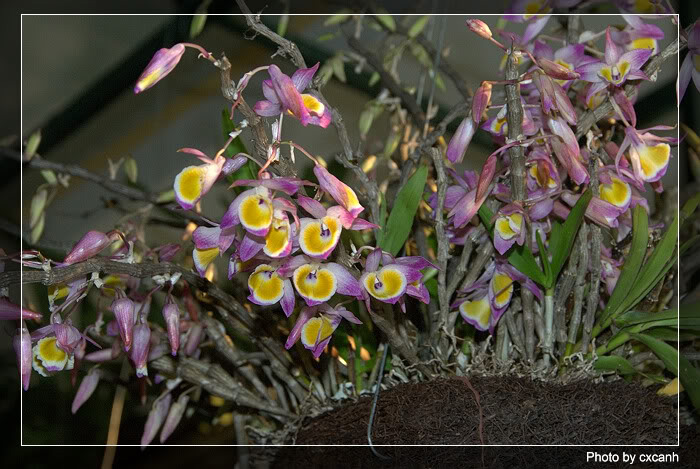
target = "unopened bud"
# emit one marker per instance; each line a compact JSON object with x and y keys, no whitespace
{"x":557,"y":71}
{"x":480,"y":28}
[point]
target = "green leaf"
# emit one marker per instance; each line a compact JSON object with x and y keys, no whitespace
{"x":689,"y":244}
{"x":560,"y":246}
{"x":282,"y":25}
{"x":439,"y":82}
{"x":630,"y":270}
{"x":336,"y":19}
{"x":400,"y":221}
{"x":614,"y":363}
{"x":418,"y":27}
{"x":670,"y":334}
{"x":326,"y":37}
{"x":660,"y":261}
{"x":197,"y":25}
{"x":338,"y":68}
{"x":689,"y":207}
{"x":690,"y":379}
{"x":519,"y":257}
{"x":382,"y":220}
{"x":640,"y":317}
{"x":32,"y":144}
{"x":665,"y":352}
{"x":373,"y":79}
{"x":387,"y":21}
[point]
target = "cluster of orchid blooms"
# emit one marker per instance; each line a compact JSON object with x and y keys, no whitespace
{"x":285,"y":240}
{"x":557,"y":168}
{"x":281,"y":237}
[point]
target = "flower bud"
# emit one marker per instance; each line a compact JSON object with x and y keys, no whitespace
{"x":123,"y":309}
{"x":12,"y":312}
{"x":557,"y":71}
{"x":480,"y":28}
{"x":139,"y":350}
{"x":481,"y":100}
{"x":234,"y":164}
{"x":162,"y":63}
{"x":87,"y":387}
{"x":22,"y":342}
{"x":92,"y":243}
{"x":155,"y":419}
{"x":171,"y":314}
{"x":460,"y":140}
{"x":177,"y":410}
{"x":194,"y":337}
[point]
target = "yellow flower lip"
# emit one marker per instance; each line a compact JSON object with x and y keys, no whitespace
{"x":508,"y":224}
{"x":278,"y":240}
{"x":188,"y":185}
{"x":315,"y":331}
{"x":318,"y":238}
{"x":49,"y":358}
{"x":653,"y":160}
{"x":266,"y":286}
{"x":617,"y":73}
{"x":255,"y":213}
{"x":477,"y":312}
{"x":313,"y":105}
{"x":386,"y":284}
{"x":502,"y":288}
{"x":618,"y":192}
{"x":203,"y":257}
{"x":314,"y":283}
{"x":644,"y":43}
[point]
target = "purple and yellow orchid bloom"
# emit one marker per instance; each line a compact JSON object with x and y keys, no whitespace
{"x":490,"y":295}
{"x":498,"y":125}
{"x":617,"y":67}
{"x":340,"y":192}
{"x":318,"y":236}
{"x":567,"y":150}
{"x":283,"y":95}
{"x":389,"y":283}
{"x":315,"y":331}
{"x":638,"y":35}
{"x":509,"y":227}
{"x":316,"y":283}
{"x":649,"y":154}
{"x":209,"y":242}
{"x":55,"y":346}
{"x":268,"y":287}
{"x":193,"y":182}
{"x":255,"y":208}
{"x":645,"y":7}
{"x":276,"y":244}
{"x":691,"y":64}
{"x":542,"y":175}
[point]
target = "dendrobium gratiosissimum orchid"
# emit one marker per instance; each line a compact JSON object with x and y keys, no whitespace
{"x":396,"y":277}
{"x":617,"y":68}
{"x":638,"y":35}
{"x":489,"y":296}
{"x":649,"y":154}
{"x":284,"y":95}
{"x":315,"y":331}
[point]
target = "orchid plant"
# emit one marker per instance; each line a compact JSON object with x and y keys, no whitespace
{"x":528,"y":251}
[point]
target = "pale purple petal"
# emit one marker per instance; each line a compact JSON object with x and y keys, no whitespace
{"x":460,"y":140}
{"x":313,"y":207}
{"x":267,"y":109}
{"x":303,"y":76}
{"x":373,"y":259}
{"x":359,"y":224}
{"x":590,"y":71}
{"x":534,"y":27}
{"x":86,"y":388}
{"x":411,"y":274}
{"x":155,"y":419}
{"x":206,"y":237}
{"x":417,"y":262}
{"x":347,"y":284}
{"x":541,"y":209}
{"x":636,"y":58}
{"x":233,"y":164}
{"x":177,"y":411}
{"x":249,"y":247}
{"x":287,"y":300}
{"x":306,"y":313}
{"x":612,"y":52}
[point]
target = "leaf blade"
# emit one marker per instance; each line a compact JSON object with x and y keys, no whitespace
{"x":400,"y":221}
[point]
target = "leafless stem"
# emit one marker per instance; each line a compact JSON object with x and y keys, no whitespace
{"x":439,"y":321}
{"x":595,"y":248}
{"x":242,"y":449}
{"x":575,"y":321}
{"x":514,"y":118}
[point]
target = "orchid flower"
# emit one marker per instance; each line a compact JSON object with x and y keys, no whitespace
{"x":542,"y":175}
{"x":55,"y":346}
{"x":283,"y":95}
{"x":318,"y":236}
{"x":567,"y":150}
{"x":498,"y":125}
{"x":389,"y":283}
{"x":268,"y":287}
{"x":341,"y":193}
{"x":569,"y":57}
{"x":691,"y":64}
{"x":316,"y":331}
{"x":162,"y":63}
{"x":193,"y":182}
{"x":470,"y":196}
{"x":638,"y":35}
{"x":460,"y":140}
{"x":509,"y":228}
{"x":316,"y":283}
{"x":489,"y":296}
{"x":209,"y":242}
{"x":617,"y":67}
{"x":648,"y":153}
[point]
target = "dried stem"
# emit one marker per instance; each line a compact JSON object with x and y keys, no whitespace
{"x":580,"y":285}
{"x":439,"y":321}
